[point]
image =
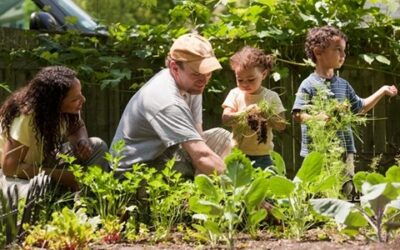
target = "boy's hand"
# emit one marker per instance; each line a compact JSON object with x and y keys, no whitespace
{"x":390,"y":90}
{"x":322,"y":117}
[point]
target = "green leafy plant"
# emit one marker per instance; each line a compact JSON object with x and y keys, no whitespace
{"x":223,"y":202}
{"x":379,"y":204}
{"x":323,"y":133}
{"x":254,"y":120}
{"x":68,"y":229}
{"x":102,"y":193}
{"x":111,"y":231}
{"x":167,"y":194}
{"x":292,"y":196}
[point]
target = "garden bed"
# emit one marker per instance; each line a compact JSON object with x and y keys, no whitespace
{"x":266,"y":241}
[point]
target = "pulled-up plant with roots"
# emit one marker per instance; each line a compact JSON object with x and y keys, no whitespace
{"x":255,"y":120}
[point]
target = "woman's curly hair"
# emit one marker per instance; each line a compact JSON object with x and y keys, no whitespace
{"x":321,"y":37}
{"x":42,"y":98}
{"x":249,"y":57}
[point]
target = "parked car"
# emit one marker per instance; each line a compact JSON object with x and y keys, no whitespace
{"x":52,"y":15}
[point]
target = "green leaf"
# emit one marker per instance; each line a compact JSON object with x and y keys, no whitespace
{"x":327,"y":184}
{"x":281,"y":186}
{"x":355,"y":220}
{"x":308,"y":18}
{"x":311,"y":167}
{"x":256,"y":193}
{"x":257,"y":216}
{"x":212,"y":227}
{"x":359,"y":178}
{"x":382,"y":59}
{"x":277,"y":213}
{"x":334,"y":208}
{"x":367,"y":58}
{"x":5,"y":87}
{"x":239,"y":168}
{"x":375,"y":178}
{"x":395,"y":204}
{"x":205,"y":207}
{"x":202,"y":217}
{"x":393,"y":174}
{"x":206,"y":186}
{"x":352,"y":232}
{"x":378,"y":196}
{"x":269,"y":3}
{"x":278,"y":162}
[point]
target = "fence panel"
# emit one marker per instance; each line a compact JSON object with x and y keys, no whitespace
{"x":104,"y":107}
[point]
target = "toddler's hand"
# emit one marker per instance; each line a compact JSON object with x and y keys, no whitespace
{"x":252,"y":107}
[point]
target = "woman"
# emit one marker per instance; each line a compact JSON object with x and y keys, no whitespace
{"x":37,"y":118}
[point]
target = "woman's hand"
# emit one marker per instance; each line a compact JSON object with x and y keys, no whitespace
{"x":83,"y":149}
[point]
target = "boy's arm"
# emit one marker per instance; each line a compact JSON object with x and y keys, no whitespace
{"x":373,"y":99}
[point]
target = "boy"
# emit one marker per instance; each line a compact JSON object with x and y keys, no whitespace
{"x":325,"y":46}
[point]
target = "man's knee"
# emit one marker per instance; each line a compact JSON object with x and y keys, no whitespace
{"x":219,"y":140}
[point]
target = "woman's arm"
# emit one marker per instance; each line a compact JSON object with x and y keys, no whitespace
{"x":13,"y":165}
{"x":80,"y":143}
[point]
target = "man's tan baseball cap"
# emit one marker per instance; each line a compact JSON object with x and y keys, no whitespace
{"x":196,"y":51}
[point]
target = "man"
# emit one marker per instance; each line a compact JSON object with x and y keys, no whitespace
{"x":164,"y":118}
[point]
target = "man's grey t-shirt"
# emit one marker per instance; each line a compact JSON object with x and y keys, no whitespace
{"x":157,"y":117}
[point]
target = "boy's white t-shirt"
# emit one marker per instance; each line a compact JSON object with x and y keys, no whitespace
{"x":247,"y":142}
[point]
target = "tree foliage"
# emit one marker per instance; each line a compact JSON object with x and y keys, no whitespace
{"x":127,"y":11}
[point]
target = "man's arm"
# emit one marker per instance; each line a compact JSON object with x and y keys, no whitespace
{"x":373,"y":99}
{"x":203,"y":158}
{"x":199,"y":128}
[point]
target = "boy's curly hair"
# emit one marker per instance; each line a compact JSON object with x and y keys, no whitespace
{"x":42,"y":98}
{"x":249,"y":57}
{"x":320,"y":37}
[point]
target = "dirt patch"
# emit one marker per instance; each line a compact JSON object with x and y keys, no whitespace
{"x":266,"y":242}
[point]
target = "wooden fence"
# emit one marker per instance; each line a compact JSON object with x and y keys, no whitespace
{"x":103,"y":108}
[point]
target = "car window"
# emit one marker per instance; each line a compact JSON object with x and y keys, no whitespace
{"x":81,"y":17}
{"x":59,"y":15}
{"x":15,"y":13}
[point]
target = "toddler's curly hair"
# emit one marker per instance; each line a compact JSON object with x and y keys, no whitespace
{"x":249,"y":57}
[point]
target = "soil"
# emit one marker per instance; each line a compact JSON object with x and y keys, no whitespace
{"x":267,"y":242}
{"x":258,"y":124}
